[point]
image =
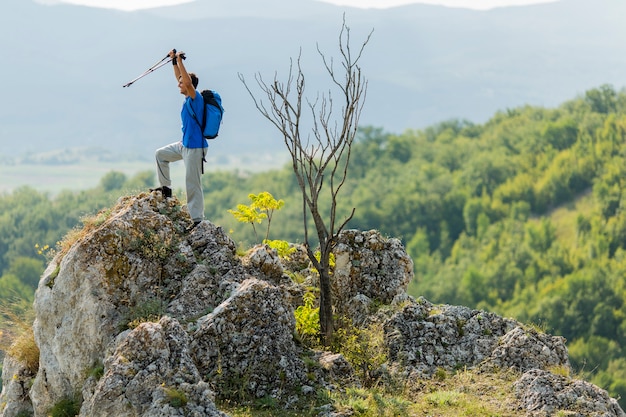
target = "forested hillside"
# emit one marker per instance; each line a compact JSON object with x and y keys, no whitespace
{"x":522,"y":216}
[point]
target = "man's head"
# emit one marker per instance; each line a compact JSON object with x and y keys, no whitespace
{"x":181,"y":85}
{"x":194,"y":79}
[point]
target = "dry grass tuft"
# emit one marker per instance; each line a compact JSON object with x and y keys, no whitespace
{"x":16,"y":334}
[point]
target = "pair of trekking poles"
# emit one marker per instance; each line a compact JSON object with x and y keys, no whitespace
{"x":155,"y":67}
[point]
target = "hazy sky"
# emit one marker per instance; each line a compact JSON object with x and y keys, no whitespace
{"x":470,"y":4}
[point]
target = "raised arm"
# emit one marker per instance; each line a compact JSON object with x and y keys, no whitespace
{"x":180,"y":72}
{"x":172,"y":55}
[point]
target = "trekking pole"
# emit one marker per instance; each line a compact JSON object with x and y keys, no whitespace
{"x":153,"y":68}
{"x":149,"y":70}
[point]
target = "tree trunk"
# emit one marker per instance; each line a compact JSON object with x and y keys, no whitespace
{"x":326,"y":311}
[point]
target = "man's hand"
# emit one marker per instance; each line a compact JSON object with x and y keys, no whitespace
{"x":175,"y":56}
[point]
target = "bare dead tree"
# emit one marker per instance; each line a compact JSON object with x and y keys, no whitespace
{"x":324,"y":156}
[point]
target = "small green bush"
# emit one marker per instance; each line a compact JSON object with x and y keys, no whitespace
{"x":281,"y":247}
{"x":97,"y":371}
{"x":308,"y":320}
{"x":262,"y":207}
{"x":148,"y":311}
{"x":363,"y":348}
{"x":175,"y":397}
{"x":67,"y":407}
{"x":445,"y":398}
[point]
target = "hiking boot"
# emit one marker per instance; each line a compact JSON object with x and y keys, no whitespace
{"x":193,"y":226}
{"x":166,"y":191}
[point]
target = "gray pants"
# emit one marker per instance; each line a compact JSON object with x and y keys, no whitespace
{"x":192,"y":158}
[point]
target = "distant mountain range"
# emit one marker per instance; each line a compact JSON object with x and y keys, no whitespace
{"x":64,"y":65}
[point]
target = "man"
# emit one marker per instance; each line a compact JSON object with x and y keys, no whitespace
{"x":191,"y":149}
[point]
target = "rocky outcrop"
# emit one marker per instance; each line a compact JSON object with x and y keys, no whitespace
{"x":369,"y":270}
{"x":16,"y":383}
{"x":150,"y":367}
{"x":423,"y":338}
{"x":246,"y":344}
{"x":543,"y":394}
{"x":140,"y":318}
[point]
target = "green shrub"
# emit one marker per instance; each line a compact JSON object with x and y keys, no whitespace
{"x":67,"y":407}
{"x":308,"y":320}
{"x":97,"y":371}
{"x":262,"y":207}
{"x":281,"y":247}
{"x":149,"y":311}
{"x":175,"y":397}
{"x":363,"y":348}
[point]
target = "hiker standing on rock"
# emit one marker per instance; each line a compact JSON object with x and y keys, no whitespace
{"x":191,"y":149}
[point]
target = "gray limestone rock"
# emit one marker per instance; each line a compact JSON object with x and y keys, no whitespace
{"x":141,"y":318}
{"x":369,"y":269}
{"x":247,"y":343}
{"x":542,"y":393}
{"x":16,"y":384}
